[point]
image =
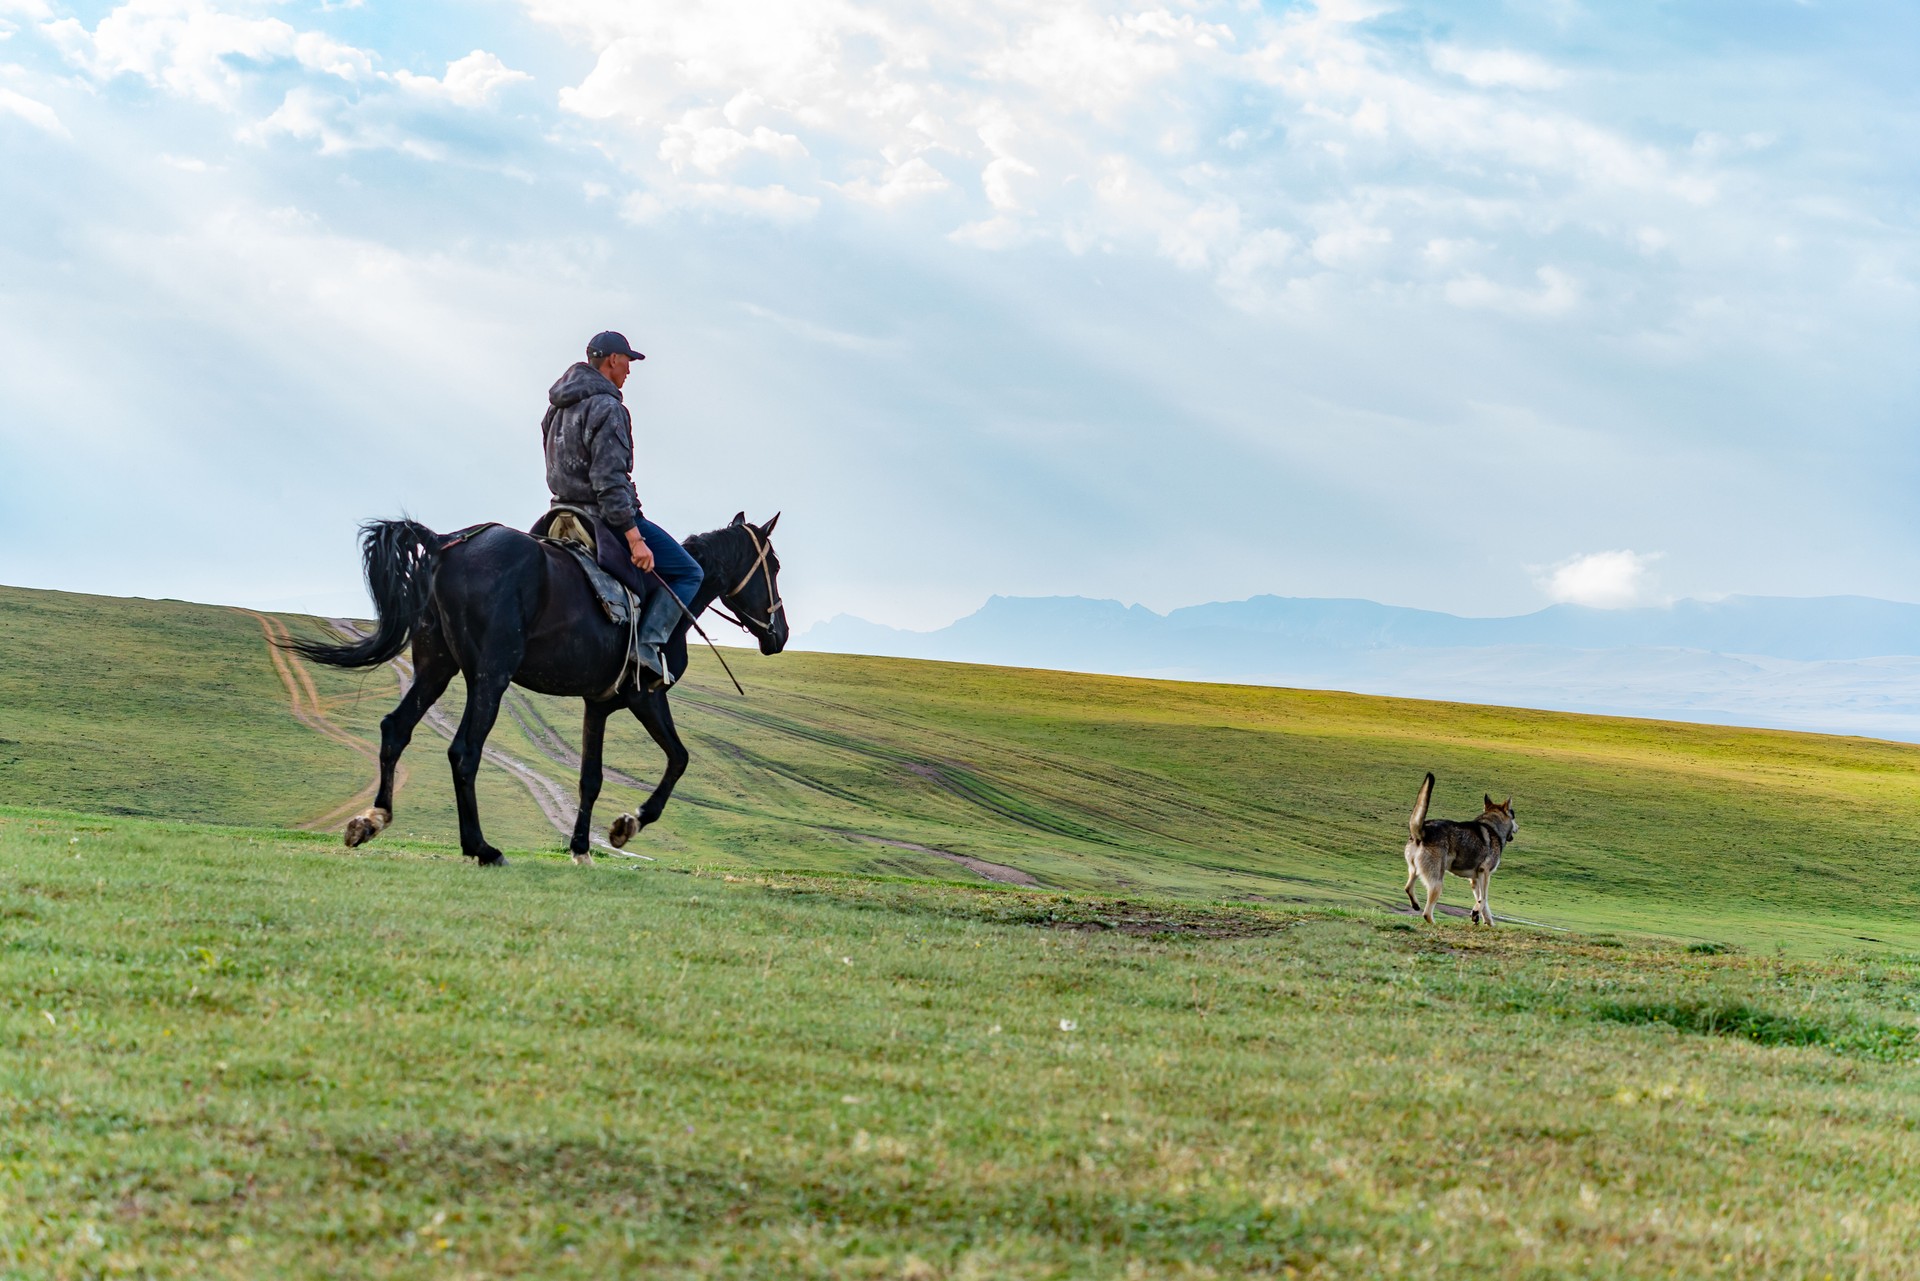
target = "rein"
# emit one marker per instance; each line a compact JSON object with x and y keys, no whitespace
{"x":759,"y":566}
{"x":696,"y":627}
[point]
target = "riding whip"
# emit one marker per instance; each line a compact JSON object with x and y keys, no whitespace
{"x":696,"y":627}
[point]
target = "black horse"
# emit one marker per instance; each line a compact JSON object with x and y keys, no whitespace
{"x":500,"y":607}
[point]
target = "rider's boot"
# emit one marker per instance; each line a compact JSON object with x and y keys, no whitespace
{"x":657,"y":622}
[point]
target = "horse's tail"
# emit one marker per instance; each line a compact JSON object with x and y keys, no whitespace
{"x":401,"y":558}
{"x":1419,"y":819}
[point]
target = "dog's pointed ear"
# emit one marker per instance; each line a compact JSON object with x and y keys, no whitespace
{"x":1489,"y":800}
{"x":739,"y":518}
{"x":766,"y":530}
{"x":1507,"y":805}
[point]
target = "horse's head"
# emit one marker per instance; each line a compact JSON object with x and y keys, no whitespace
{"x":750,"y":580}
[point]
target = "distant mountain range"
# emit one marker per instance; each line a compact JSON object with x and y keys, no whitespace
{"x":1838,"y":664}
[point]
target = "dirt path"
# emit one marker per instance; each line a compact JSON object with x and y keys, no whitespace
{"x":552,"y":746}
{"x":303,"y":700}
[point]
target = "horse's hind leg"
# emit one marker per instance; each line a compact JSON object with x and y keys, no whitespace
{"x":1433,"y":874}
{"x":485,"y":688}
{"x":593,"y":737}
{"x":433,"y":667}
{"x":652,"y":711}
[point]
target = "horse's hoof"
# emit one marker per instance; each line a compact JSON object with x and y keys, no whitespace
{"x":493,"y":858}
{"x":583,"y":859}
{"x":362,"y":828}
{"x":624,"y":829}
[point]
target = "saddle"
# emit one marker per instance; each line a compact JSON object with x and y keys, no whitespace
{"x":571,"y":530}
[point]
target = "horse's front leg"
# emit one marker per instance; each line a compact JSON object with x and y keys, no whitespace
{"x":593,"y":734}
{"x":485,"y":689}
{"x":651,"y":710}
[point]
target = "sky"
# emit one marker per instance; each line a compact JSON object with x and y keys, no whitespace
{"x":1473,"y":306}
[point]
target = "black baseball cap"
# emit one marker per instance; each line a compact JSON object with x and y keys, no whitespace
{"x":612,"y":344}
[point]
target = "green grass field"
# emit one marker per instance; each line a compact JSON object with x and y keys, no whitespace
{"x":245,"y":1054}
{"x":787,"y":1047}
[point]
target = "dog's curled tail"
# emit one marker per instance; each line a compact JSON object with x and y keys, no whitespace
{"x":1419,"y":820}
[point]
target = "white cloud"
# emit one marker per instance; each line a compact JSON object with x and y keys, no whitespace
{"x":233,"y":56}
{"x":1097,"y":125}
{"x":1085,"y":59}
{"x":1256,"y":266}
{"x":1497,"y":68}
{"x":33,"y":111}
{"x":1350,"y":244}
{"x":773,"y":203}
{"x":909,"y":180}
{"x":1558,"y":294}
{"x":706,"y":143}
{"x":470,"y":81}
{"x":1602,"y":580}
{"x":813,"y":332}
{"x":197,"y":50}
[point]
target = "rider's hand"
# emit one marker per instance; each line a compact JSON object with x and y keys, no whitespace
{"x":641,"y":553}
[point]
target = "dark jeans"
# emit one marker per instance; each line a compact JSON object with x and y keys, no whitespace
{"x":679,"y":571}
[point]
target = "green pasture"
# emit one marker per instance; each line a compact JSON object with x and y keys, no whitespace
{"x":804,"y":1041}
{"x":243,"y":1053}
{"x":1086,"y":783}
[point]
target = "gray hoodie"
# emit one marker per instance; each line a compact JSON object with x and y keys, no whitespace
{"x":589,"y":443}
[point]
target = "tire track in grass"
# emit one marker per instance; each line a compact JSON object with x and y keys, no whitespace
{"x":552,"y":745}
{"x":303,"y":700}
{"x":981,"y":867}
{"x":950,"y":777}
{"x":557,"y":749}
{"x":1143,"y":791}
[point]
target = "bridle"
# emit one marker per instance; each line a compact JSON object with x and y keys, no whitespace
{"x":746,"y":622}
{"x":759,"y":566}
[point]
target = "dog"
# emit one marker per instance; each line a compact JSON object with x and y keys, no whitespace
{"x":1471,"y":850}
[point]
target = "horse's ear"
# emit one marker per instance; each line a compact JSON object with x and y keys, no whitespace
{"x":766,"y":530}
{"x":739,"y":518}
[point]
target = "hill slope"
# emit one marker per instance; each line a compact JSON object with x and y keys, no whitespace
{"x":1078,"y":782}
{"x":1837,"y":664}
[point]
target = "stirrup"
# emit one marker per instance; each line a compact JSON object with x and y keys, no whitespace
{"x":647,"y":677}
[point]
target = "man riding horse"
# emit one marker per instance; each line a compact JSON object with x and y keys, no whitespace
{"x":588,"y":437}
{"x":500,"y":607}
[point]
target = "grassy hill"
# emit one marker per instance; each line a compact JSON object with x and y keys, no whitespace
{"x":844,"y":763}
{"x":809,"y":1040}
{"x":232,"y":1053}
